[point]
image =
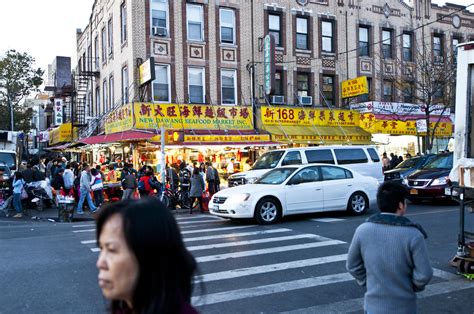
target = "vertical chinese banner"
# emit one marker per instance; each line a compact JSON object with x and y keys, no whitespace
{"x":58,"y":111}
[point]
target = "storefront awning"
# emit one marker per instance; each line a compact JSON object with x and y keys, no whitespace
{"x":117,"y":137}
{"x":319,"y":134}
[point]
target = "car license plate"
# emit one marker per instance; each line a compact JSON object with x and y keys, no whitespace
{"x":413,"y":191}
{"x":215,"y":207}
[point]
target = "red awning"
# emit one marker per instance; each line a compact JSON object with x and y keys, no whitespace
{"x":117,"y":137}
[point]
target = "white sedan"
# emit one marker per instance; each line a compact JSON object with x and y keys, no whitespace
{"x":293,"y":190}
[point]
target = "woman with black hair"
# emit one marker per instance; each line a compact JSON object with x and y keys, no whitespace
{"x":143,"y":265}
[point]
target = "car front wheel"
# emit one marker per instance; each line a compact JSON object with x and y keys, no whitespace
{"x":357,"y":204}
{"x":268,"y":211}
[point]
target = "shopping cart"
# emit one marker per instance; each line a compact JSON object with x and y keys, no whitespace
{"x":66,"y":205}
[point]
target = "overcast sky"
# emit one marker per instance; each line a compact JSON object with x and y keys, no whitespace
{"x":47,"y":28}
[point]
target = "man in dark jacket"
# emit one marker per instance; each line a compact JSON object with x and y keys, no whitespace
{"x":129,"y":184}
{"x":28,"y":173}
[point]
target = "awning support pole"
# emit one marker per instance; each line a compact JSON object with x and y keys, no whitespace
{"x":163,"y":165}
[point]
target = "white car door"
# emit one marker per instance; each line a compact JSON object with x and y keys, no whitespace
{"x":304,"y":192}
{"x":338,"y":184}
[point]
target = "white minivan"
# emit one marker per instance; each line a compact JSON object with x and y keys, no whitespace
{"x":362,"y":159}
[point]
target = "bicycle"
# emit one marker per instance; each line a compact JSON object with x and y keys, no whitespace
{"x":176,"y":197}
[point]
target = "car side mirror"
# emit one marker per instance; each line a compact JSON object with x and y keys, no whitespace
{"x":294,"y":181}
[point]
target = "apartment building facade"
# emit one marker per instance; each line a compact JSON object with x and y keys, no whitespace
{"x":210,"y":51}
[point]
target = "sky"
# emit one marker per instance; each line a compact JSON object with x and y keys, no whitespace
{"x":47,"y":28}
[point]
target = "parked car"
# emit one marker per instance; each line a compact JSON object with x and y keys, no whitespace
{"x":429,"y":182}
{"x":297,"y":189}
{"x":407,"y":167}
{"x":363,"y":159}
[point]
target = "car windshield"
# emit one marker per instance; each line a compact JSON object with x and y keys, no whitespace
{"x":268,"y":160}
{"x":441,"y":162}
{"x":8,"y":159}
{"x":276,"y":176}
{"x":410,"y":163}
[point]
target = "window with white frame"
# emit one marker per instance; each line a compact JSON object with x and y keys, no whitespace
{"x":196,"y":83}
{"x":387,"y":43}
{"x":327,"y":36}
{"x":195,"y":22}
{"x":123,"y":23}
{"x":125,"y":85}
{"x":96,"y":53}
{"x":104,"y":45}
{"x":159,"y":18}
{"x":229,"y":87}
{"x":407,"y":47}
{"x":274,"y":28}
{"x":110,"y":38}
{"x":104,"y":96}
{"x":97,"y":101}
{"x":364,"y":41}
{"x":302,"y":33}
{"x":111,"y":92}
{"x":227,"y":21}
{"x":161,"y":84}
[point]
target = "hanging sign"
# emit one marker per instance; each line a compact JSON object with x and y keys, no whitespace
{"x":58,"y":111}
{"x":119,"y":120}
{"x":355,"y":87}
{"x":397,"y":127}
{"x":146,"y":71}
{"x":308,"y":116}
{"x":268,"y":63}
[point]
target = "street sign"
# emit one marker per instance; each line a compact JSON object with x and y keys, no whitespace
{"x":269,"y":63}
{"x":58,"y":111}
{"x":421,"y":126}
{"x":355,"y":87}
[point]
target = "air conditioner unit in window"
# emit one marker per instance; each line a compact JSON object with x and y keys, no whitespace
{"x":160,"y":31}
{"x":278,"y":100}
{"x":305,"y":100}
{"x":438,"y":59}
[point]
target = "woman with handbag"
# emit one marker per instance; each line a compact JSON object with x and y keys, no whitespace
{"x":18,"y":190}
{"x":197,"y":188}
{"x":97,"y":187}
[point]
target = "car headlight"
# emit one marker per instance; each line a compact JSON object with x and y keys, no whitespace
{"x":239,"y":198}
{"x":251,"y":180}
{"x":405,"y":181}
{"x":440,"y":181}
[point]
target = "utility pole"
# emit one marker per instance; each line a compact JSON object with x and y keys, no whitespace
{"x":11,"y":111}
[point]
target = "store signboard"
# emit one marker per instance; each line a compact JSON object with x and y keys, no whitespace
{"x":58,"y":111}
{"x":355,"y":87}
{"x":150,"y":116}
{"x":119,"y":120}
{"x":268,"y":63}
{"x":332,"y":138}
{"x":396,"y":108}
{"x":227,"y":138}
{"x":61,"y":134}
{"x":146,"y":71}
{"x":308,"y":116}
{"x":396,"y":127}
{"x":43,"y":136}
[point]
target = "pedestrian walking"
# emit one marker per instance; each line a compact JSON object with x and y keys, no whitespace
{"x":197,"y":188}
{"x":18,"y":186}
{"x":385,"y":162}
{"x":144,"y":266}
{"x":85,"y":190}
{"x":388,"y":255}
{"x":129,"y":184}
{"x":144,"y":186}
{"x":393,"y":161}
{"x":97,"y":187}
{"x":68,"y":178}
{"x":210,"y":178}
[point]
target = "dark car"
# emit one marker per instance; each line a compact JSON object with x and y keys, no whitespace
{"x":407,"y":167}
{"x":429,"y":182}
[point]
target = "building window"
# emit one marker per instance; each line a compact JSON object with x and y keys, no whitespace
{"x":274,"y":28}
{"x":408,"y":92}
{"x":125,"y":87}
{"x":455,"y":43}
{"x":366,"y":97}
{"x":104,"y":96}
{"x":227,"y":21}
{"x":302,"y":84}
{"x":161,"y":84}
{"x":302,"y":33}
{"x":364,"y":41}
{"x":387,"y":44}
{"x":279,"y":91}
{"x":111,"y":38}
{"x":195,"y":21}
{"x":229,"y":87}
{"x":438,"y":49}
{"x":111,"y":92}
{"x":96,"y":53}
{"x":104,"y":45}
{"x":123,"y":23}
{"x":438,"y":92}
{"x":329,"y":90}
{"x":97,"y":101}
{"x":159,"y":18}
{"x":196,"y":83}
{"x":327,"y":36}
{"x":407,"y":47}
{"x":387,"y":91}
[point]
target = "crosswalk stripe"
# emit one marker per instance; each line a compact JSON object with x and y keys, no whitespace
{"x":354,"y":305}
{"x":95,"y":249}
{"x":197,"y":222}
{"x":83,"y":226}
{"x":215,"y":229}
{"x":327,"y":219}
{"x":248,"y":242}
{"x":220,"y":257}
{"x":88,"y":241}
{"x":196,"y":217}
{"x":235,"y":235}
{"x":84,"y":230}
{"x":237,"y":273}
{"x":270,"y":289}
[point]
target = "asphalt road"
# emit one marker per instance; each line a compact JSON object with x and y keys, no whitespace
{"x":297,"y":266}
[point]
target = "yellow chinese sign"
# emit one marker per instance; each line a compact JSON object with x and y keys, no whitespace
{"x":61,"y":134}
{"x":308,"y":116}
{"x":396,"y":127}
{"x":174,"y":116}
{"x":228,"y":138}
{"x":119,"y":120}
{"x":318,"y":138}
{"x":355,"y":87}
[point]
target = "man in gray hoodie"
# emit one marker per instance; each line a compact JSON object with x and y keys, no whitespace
{"x":85,"y":190}
{"x":388,"y":255}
